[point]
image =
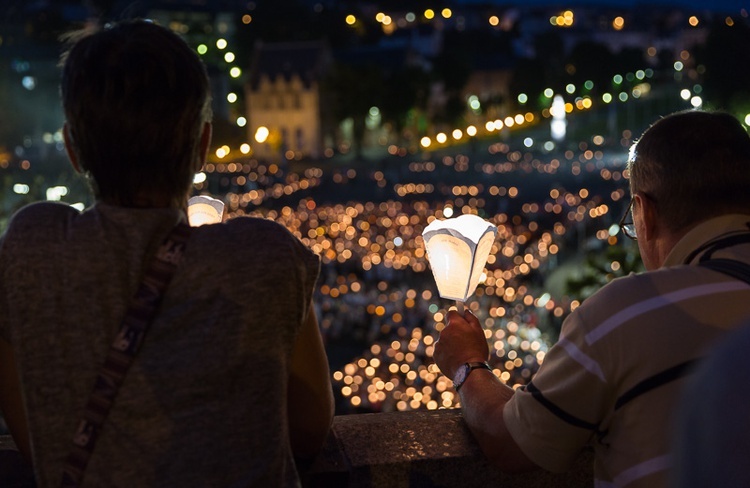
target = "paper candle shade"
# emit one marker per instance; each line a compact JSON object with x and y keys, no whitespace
{"x":457,"y":250}
{"x":204,"y":210}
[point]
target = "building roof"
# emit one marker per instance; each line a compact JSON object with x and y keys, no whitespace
{"x":307,"y":60}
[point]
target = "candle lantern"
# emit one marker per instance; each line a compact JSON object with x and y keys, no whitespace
{"x":457,"y":250}
{"x":204,"y":210}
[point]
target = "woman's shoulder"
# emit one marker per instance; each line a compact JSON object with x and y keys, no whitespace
{"x":252,"y":233}
{"x":258,"y":228}
{"x":41,"y":209}
{"x":40,"y":217}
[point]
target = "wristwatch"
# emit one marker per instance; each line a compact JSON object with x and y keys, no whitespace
{"x":465,"y":369}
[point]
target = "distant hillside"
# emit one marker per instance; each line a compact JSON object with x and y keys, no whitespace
{"x":728,"y":6}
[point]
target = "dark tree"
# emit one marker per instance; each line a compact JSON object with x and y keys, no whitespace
{"x":453,"y":111}
{"x":464,"y":51}
{"x":629,"y":60}
{"x":726,"y":58}
{"x":593,"y":61}
{"x":528,"y":78}
{"x":550,"y":51}
{"x":405,"y":89}
{"x":352,"y":89}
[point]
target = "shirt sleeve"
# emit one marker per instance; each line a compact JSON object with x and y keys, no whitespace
{"x":711,"y":442}
{"x":4,"y":311}
{"x":308,"y":269}
{"x":560,"y":410}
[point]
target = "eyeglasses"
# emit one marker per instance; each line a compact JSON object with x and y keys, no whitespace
{"x":628,"y":227}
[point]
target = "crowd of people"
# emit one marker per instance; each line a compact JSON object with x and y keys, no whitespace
{"x":378,"y":305}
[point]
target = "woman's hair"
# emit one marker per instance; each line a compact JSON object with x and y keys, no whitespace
{"x":136,"y":98}
{"x":694,"y":165}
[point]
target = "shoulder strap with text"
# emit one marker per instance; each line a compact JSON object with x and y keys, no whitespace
{"x":122,"y":352}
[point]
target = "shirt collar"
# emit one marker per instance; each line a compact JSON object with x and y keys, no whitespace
{"x":704,"y":232}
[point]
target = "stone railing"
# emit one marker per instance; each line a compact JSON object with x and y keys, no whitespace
{"x":420,"y":449}
{"x":14,"y":472}
{"x":390,"y":450}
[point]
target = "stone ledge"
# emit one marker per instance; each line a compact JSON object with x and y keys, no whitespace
{"x":14,"y":472}
{"x":391,"y":450}
{"x":419,"y":449}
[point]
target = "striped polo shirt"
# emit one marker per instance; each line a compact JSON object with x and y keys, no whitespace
{"x":613,"y":378}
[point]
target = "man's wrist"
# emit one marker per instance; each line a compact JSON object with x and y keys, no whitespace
{"x":471,"y":359}
{"x":463,"y":372}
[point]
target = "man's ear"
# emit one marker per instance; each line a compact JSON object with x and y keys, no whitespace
{"x":649,"y":216}
{"x":69,"y":144}
{"x":205,"y":144}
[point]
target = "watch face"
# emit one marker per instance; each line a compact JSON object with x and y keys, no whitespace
{"x":461,"y":375}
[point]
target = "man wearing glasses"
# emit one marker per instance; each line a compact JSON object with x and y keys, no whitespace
{"x":613,"y":379}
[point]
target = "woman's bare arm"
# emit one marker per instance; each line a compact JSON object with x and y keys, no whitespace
{"x":310,"y":394}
